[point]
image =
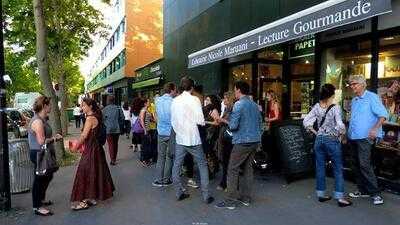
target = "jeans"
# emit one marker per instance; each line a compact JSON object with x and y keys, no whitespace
{"x":240,"y":184}
{"x":324,"y":147}
{"x":40,"y":184}
{"x":365,"y":176}
{"x":164,"y":161}
{"x":199,"y":157}
{"x":112,"y":140}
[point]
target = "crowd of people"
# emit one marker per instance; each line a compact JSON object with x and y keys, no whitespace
{"x":183,"y":126}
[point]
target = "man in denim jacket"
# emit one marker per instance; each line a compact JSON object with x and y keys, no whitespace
{"x":245,"y":123}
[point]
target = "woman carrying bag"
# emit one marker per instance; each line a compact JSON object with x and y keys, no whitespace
{"x":41,"y":139}
{"x":328,"y":133}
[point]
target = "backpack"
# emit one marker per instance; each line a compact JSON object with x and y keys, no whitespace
{"x":102,"y":135}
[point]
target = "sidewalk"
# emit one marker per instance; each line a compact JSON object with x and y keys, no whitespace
{"x":136,"y":202}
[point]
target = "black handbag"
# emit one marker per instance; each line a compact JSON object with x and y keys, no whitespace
{"x":227,"y":134}
{"x":46,"y":161}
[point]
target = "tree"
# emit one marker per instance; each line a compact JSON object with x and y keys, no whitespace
{"x":69,"y":24}
{"x":43,"y":65}
{"x":22,"y":74}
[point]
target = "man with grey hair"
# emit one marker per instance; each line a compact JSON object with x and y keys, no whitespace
{"x":367,"y":117}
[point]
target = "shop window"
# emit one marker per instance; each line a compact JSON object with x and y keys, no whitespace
{"x":271,"y":87}
{"x":389,"y":76}
{"x":339,"y":63}
{"x":241,"y":72}
{"x":302,"y":86}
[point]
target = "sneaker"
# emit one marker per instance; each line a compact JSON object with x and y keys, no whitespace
{"x":243,"y":201}
{"x":358,"y":194}
{"x":157,"y":184}
{"x":168,"y":183}
{"x":209,"y":200}
{"x":183,"y":197}
{"x":220,"y":188}
{"x":192,"y":183}
{"x":225,"y":205}
{"x":378,"y":200}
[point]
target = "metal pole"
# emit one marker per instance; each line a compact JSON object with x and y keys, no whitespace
{"x":5,"y":194}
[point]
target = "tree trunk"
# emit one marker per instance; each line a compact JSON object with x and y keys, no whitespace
{"x":64,"y":103}
{"x":43,"y":65}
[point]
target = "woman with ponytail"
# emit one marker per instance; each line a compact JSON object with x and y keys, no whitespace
{"x":93,"y":180}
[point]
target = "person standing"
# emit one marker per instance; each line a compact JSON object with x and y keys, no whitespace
{"x":113,"y":117}
{"x":327,"y":143}
{"x":77,"y":116}
{"x":224,"y":142}
{"x":137,"y":129}
{"x":145,"y":119}
{"x":39,"y":134}
{"x":186,"y":115}
{"x":127,"y":115}
{"x":93,"y":180}
{"x":245,"y":123}
{"x":367,"y":117}
{"x":163,"y":113}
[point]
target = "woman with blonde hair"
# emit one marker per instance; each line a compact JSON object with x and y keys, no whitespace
{"x":273,"y":113}
{"x":224,"y":142}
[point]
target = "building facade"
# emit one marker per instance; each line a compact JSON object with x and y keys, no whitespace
{"x":291,"y":47}
{"x":135,"y":40}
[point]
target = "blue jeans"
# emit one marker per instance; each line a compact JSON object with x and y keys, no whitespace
{"x":199,"y":157}
{"x":327,"y":146}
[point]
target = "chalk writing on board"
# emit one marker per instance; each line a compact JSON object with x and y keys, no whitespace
{"x":292,"y":141}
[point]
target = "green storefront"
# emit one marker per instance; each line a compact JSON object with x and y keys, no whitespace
{"x":148,"y":80}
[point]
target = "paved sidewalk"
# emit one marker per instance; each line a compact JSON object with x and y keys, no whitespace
{"x":136,"y":202}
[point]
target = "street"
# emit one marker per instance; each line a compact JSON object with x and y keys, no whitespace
{"x":136,"y":202}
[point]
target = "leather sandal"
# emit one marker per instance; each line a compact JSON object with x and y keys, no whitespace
{"x":81,"y":206}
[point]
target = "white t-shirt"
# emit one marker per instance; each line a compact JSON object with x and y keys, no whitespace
{"x":127,"y":114}
{"x":77,"y":111}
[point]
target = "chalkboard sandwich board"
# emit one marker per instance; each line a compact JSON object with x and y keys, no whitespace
{"x":295,"y":149}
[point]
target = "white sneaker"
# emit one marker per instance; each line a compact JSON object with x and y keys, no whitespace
{"x":378,"y":200}
{"x":192,"y":183}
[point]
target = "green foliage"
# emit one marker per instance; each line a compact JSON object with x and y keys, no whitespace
{"x":70,"y":26}
{"x":24,"y":79}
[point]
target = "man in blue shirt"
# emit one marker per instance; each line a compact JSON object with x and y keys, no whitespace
{"x":245,"y":123}
{"x":367,"y":117}
{"x":163,"y":112}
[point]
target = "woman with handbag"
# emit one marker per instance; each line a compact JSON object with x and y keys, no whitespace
{"x":93,"y":180}
{"x":328,"y":133}
{"x":136,"y":127}
{"x":224,"y":142}
{"x":41,"y":139}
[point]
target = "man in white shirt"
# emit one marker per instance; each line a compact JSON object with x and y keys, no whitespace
{"x":186,"y":115}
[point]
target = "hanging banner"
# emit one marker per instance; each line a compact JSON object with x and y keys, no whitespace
{"x":324,"y":16}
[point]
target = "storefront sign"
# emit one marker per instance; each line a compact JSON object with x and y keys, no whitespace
{"x":148,"y":72}
{"x":327,"y":15}
{"x":350,"y":30}
{"x":302,"y":48}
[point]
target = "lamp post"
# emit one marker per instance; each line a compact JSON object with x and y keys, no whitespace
{"x":5,"y":194}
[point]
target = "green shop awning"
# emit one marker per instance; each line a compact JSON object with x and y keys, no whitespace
{"x":146,"y":83}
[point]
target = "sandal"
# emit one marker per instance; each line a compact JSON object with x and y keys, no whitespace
{"x":90,"y":202}
{"x":38,"y":212}
{"x":81,"y":206}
